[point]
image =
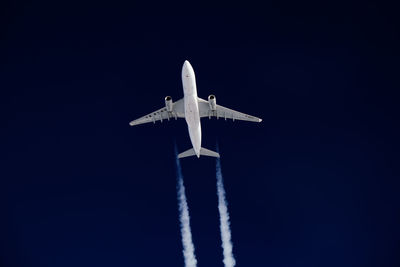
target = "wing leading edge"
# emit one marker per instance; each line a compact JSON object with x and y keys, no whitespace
{"x":162,"y":114}
{"x":223,"y":112}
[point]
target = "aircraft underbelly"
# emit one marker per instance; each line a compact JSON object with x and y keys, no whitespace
{"x":192,"y":116}
{"x":193,"y":121}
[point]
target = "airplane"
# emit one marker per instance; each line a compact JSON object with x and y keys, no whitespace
{"x":192,"y":108}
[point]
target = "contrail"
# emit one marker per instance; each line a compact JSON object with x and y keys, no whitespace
{"x":229,"y":259}
{"x":187,"y":243}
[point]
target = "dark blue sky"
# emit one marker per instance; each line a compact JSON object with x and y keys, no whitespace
{"x":315,"y":184}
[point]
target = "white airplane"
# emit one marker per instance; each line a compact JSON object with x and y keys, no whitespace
{"x":192,"y":108}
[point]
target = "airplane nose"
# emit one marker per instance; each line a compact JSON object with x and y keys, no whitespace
{"x":186,"y":69}
{"x":186,"y":64}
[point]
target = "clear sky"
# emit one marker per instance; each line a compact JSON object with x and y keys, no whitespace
{"x":315,"y":184}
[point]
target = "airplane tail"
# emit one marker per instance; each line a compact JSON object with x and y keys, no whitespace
{"x":203,"y":152}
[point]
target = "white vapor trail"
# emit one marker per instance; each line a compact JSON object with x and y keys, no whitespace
{"x":187,"y":243}
{"x":229,"y":260}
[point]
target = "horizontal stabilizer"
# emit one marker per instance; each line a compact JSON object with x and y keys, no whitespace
{"x":187,"y":153}
{"x":207,"y":152}
{"x":203,"y":152}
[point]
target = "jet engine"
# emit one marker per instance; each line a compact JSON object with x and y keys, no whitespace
{"x":212,"y":101}
{"x":168,"y":103}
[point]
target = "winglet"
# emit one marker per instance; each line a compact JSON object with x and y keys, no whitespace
{"x":203,"y":152}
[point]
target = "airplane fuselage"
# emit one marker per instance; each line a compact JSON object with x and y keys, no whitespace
{"x":192,"y":116}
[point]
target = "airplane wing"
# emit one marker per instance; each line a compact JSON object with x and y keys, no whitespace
{"x":223,"y":112}
{"x":178,"y":111}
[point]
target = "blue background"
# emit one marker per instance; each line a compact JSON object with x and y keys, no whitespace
{"x":315,"y":184}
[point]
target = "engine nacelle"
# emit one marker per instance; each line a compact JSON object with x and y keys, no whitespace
{"x":168,"y":103}
{"x":212,"y":101}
